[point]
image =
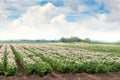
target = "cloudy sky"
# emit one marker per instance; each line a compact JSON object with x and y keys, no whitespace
{"x":53,"y":19}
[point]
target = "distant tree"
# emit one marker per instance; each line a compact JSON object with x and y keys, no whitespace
{"x":74,"y":39}
{"x":71,"y":39}
{"x":63,"y":39}
{"x":87,"y":40}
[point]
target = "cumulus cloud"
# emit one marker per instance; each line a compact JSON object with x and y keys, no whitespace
{"x":17,"y":7}
{"x":114,"y":7}
{"x":3,"y":14}
{"x":4,"y":23}
{"x":43,"y":22}
{"x":49,"y":22}
{"x":36,"y":16}
{"x":36,"y":22}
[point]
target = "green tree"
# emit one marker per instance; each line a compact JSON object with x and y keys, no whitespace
{"x":87,"y":40}
{"x":74,"y":39}
{"x":71,"y":39}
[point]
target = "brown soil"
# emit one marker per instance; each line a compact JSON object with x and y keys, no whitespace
{"x":20,"y":67}
{"x":66,"y":76}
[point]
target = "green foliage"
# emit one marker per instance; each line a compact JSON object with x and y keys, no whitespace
{"x":0,"y":46}
{"x":1,"y":69}
{"x":30,"y":68}
{"x":5,"y":62}
{"x":37,"y":67}
{"x":71,"y":39}
{"x":10,"y":70}
{"x":87,"y":40}
{"x":40,"y":66}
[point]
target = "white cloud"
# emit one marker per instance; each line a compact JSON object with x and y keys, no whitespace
{"x":72,"y":4}
{"x":59,"y":19}
{"x":114,"y":7}
{"x":37,"y":15}
{"x":17,"y":7}
{"x":105,"y":36}
{"x":3,"y":14}
{"x":36,"y":23}
{"x":100,"y":22}
{"x":49,"y":22}
{"x":4,"y":23}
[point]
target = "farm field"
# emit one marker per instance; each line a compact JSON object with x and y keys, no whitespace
{"x":59,"y":61}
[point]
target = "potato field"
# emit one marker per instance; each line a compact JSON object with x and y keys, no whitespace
{"x":46,"y":58}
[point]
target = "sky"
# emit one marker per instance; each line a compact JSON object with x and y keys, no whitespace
{"x":53,"y":19}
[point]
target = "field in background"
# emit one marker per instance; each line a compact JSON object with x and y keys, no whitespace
{"x":81,"y":61}
{"x":98,"y":47}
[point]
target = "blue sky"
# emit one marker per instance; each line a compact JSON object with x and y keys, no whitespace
{"x":94,"y":8}
{"x":52,"y":19}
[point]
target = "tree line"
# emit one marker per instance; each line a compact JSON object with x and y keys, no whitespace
{"x":74,"y":39}
{"x":63,"y":39}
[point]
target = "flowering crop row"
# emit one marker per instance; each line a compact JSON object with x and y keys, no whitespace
{"x":31,"y":63}
{"x":42,"y":66}
{"x":42,"y":58}
{"x":66,"y":59}
{"x":11,"y":66}
{"x":2,"y":51}
{"x":7,"y":61}
{"x":55,"y":60}
{"x":22,"y":57}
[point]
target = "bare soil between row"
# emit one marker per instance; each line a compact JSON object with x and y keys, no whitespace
{"x":65,"y":76}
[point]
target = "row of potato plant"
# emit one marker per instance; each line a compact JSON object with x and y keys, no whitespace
{"x":7,"y":61}
{"x":30,"y":65}
{"x":43,"y":66}
{"x":79,"y":59}
{"x":2,"y":51}
{"x":56,"y":61}
{"x":11,"y":66}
